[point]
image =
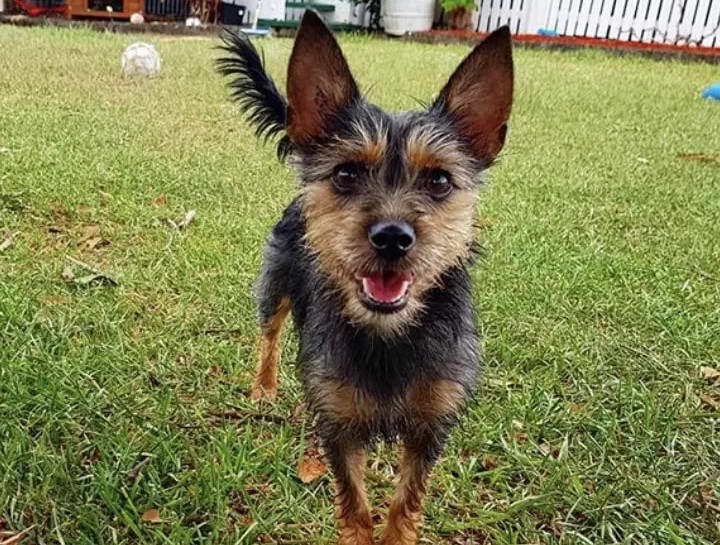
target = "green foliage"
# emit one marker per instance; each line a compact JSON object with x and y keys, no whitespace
{"x":597,"y":297}
{"x":452,"y":5}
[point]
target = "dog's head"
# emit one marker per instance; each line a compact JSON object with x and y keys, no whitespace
{"x":388,"y":199}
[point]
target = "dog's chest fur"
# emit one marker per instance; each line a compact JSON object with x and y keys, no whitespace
{"x":379,"y":383}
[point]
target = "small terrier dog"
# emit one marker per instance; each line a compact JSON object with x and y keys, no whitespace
{"x":372,"y":256}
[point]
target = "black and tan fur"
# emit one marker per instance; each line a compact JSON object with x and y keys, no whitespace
{"x":374,"y":372}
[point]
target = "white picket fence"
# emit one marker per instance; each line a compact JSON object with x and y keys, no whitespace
{"x":694,"y":22}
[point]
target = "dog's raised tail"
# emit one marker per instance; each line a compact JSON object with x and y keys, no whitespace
{"x":253,"y":89}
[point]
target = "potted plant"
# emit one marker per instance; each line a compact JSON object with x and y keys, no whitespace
{"x":460,"y":12}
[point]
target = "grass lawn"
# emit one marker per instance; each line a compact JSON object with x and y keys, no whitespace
{"x":599,"y":293}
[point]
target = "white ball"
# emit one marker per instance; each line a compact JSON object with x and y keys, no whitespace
{"x":137,"y":18}
{"x":140,"y":59}
{"x":193,"y":22}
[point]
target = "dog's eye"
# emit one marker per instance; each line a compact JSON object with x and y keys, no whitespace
{"x":345,"y":177}
{"x":438,"y":183}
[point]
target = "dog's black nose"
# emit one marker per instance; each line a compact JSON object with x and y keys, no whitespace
{"x":391,"y":239}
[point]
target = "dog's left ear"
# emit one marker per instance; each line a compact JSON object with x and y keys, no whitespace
{"x":478,"y":96}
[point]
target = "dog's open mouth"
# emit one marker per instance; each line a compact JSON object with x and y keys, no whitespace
{"x":385,"y":291}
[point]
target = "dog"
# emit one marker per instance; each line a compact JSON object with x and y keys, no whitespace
{"x":372,"y":257}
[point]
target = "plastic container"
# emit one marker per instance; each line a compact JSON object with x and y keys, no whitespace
{"x":712,"y":92}
{"x":403,"y":16}
{"x":232,"y":13}
{"x":546,"y":32}
{"x":343,"y":11}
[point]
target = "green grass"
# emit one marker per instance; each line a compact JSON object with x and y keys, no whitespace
{"x":599,"y":295}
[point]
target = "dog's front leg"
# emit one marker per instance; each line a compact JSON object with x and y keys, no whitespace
{"x":417,"y":459}
{"x":351,"y":506}
{"x":434,"y":406}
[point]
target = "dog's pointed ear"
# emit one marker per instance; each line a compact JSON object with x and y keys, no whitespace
{"x":478,"y":96}
{"x":319,"y":82}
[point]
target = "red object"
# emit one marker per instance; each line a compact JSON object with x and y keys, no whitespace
{"x":582,"y":41}
{"x":34,"y":10}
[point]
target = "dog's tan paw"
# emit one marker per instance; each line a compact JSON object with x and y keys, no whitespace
{"x":362,"y":537}
{"x":259,"y":393}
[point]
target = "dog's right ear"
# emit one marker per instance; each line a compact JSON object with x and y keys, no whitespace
{"x":319,"y":82}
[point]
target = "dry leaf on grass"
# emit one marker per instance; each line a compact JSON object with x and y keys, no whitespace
{"x":94,"y":243}
{"x":134,"y":473}
{"x":67,"y":273}
{"x":240,"y":508}
{"x":545,"y":449}
{"x":237,"y":503}
{"x":188,"y":218}
{"x":469,"y":536}
{"x":264,"y":490}
{"x":90,"y":238}
{"x":59,"y":212}
{"x":90,"y":231}
{"x":151,"y":516}
{"x":160,"y":200}
{"x":96,"y":276}
{"x":710,"y":373}
{"x":85,"y":280}
{"x":5,"y":244}
{"x":61,"y":219}
{"x":700,"y":157}
{"x":518,"y":435}
{"x":489,"y":462}
{"x":311,"y":466}
{"x":710,"y":401}
{"x":11,"y":538}
{"x":708,"y":498}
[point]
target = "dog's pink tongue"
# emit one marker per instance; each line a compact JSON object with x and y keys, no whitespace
{"x":387,"y":287}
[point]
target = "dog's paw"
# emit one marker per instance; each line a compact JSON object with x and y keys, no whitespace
{"x":260,"y":393}
{"x":356,"y":538}
{"x":393,"y":537}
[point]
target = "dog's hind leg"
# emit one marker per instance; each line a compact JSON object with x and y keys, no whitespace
{"x":271,"y":291}
{"x":266,"y":375}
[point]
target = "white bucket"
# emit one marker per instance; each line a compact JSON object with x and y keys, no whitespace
{"x":262,"y":9}
{"x":403,"y":16}
{"x":343,"y":11}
